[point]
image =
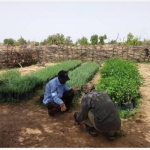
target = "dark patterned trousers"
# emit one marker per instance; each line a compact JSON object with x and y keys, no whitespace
{"x":54,"y":108}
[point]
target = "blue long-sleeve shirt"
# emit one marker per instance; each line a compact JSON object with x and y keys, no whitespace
{"x":54,"y":91}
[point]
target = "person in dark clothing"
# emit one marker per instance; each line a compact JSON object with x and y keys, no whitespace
{"x":146,"y":51}
{"x":58,"y":96}
{"x":98,"y":113}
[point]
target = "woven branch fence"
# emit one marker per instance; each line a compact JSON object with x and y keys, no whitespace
{"x":22,"y":56}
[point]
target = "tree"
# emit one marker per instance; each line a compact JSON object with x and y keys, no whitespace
{"x":56,"y":39}
{"x":9,"y":41}
{"x":44,"y":42}
{"x":113,"y":42}
{"x":68,"y":41}
{"x":131,"y":40}
{"x":82,"y":41}
{"x":21,"y":41}
{"x":102,"y":38}
{"x":94,"y":39}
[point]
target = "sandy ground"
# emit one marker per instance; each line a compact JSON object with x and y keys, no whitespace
{"x":32,"y":68}
{"x":27,"y":124}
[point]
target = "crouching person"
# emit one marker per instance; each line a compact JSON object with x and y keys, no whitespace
{"x":98,"y":113}
{"x":58,"y":96}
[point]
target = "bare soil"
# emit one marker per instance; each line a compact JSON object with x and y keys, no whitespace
{"x":27,"y":124}
{"x":32,"y":68}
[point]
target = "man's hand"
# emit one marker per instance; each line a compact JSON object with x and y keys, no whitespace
{"x":75,"y":88}
{"x":63,"y":107}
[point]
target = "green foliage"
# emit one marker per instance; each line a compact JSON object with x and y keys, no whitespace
{"x":113,"y":42}
{"x":59,"y":39}
{"x":12,"y":83}
{"x":56,"y":39}
{"x":126,"y":113}
{"x":43,"y":42}
{"x":130,"y":37}
{"x":9,"y":41}
{"x":21,"y":41}
{"x":68,"y":41}
{"x":120,"y":90}
{"x":15,"y":83}
{"x":119,"y":134}
{"x":102,"y":38}
{"x":82,"y":41}
{"x":75,"y":101}
{"x":131,"y":40}
{"x":120,"y":79}
{"x":94,"y":39}
{"x":82,"y":74}
{"x":49,"y":72}
{"x":120,"y":68}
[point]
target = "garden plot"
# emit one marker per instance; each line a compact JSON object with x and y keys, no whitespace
{"x":13,"y":86}
{"x":25,"y":124}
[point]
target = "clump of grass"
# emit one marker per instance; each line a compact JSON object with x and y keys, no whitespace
{"x":120,"y":134}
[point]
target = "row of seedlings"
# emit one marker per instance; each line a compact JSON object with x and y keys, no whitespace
{"x":13,"y":86}
{"x":50,"y":72}
{"x":121,"y":80}
{"x":80,"y":76}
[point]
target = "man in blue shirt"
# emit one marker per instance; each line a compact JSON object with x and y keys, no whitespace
{"x":58,"y":96}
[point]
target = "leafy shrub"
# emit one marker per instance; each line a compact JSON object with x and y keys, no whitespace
{"x":120,"y":79}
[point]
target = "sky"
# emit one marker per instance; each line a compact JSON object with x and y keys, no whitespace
{"x":36,"y":20}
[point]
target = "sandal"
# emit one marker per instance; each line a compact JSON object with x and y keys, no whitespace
{"x":110,"y":137}
{"x":91,"y":130}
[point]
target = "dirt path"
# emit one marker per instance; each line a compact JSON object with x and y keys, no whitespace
{"x":27,"y":124}
{"x":32,"y":68}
